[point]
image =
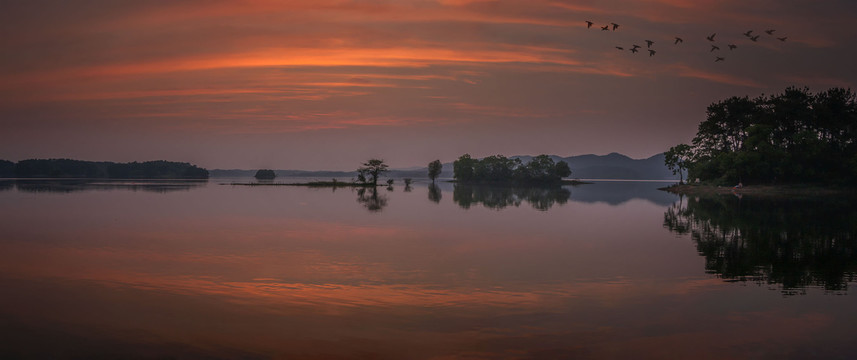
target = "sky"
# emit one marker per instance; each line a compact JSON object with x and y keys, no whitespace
{"x":328,"y":84}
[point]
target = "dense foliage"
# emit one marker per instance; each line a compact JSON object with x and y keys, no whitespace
{"x":265,"y":174}
{"x":793,"y":137}
{"x":7,"y":169}
{"x":434,"y":169}
{"x":498,"y":169}
{"x":67,"y":168}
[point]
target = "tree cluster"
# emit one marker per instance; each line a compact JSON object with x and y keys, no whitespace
{"x":67,"y":168}
{"x":793,"y":137}
{"x":7,"y":169}
{"x":498,"y":169}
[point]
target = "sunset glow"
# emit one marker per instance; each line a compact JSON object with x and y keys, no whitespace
{"x":293,"y":84}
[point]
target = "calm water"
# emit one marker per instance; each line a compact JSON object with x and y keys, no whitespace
{"x":609,"y":270}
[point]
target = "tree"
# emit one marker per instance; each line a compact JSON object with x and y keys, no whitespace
{"x":434,"y":169}
{"x":265,"y":174}
{"x":540,"y":169}
{"x":463,"y":168}
{"x":372,"y":168}
{"x":677,"y":159}
{"x":562,"y":169}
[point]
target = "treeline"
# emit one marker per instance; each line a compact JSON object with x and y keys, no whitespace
{"x":793,"y":137}
{"x":67,"y":168}
{"x":498,"y":169}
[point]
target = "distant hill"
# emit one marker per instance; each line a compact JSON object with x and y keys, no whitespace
{"x":610,"y":166}
{"x":618,"y":166}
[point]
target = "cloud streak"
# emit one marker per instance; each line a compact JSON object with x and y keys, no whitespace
{"x":239,"y":67}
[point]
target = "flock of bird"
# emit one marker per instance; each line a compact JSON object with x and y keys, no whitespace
{"x":711,"y":38}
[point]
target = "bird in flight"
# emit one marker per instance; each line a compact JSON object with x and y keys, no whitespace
{"x":748,"y":33}
{"x":711,"y":37}
{"x":652,"y":53}
{"x":649,"y":43}
{"x":754,"y":38}
{"x":770,"y":32}
{"x":635,"y":46}
{"x":634,"y":50}
{"x":605,"y":28}
{"x":732,"y":46}
{"x":589,"y":24}
{"x":615,"y":25}
{"x":714,"y":47}
{"x":678,"y":40}
{"x":620,"y":48}
{"x":719,"y":59}
{"x":783,"y":38}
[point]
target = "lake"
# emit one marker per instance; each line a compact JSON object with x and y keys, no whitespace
{"x":610,"y":270}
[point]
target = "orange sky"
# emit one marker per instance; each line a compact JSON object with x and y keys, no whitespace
{"x":326,"y":84}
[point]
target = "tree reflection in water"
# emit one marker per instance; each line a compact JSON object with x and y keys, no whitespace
{"x":371,"y":199}
{"x":434,"y":193}
{"x":79,"y":185}
{"x":792,"y":243}
{"x":541,"y":198}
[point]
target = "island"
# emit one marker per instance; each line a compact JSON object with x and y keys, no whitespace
{"x":499,"y":170}
{"x":265,"y":174}
{"x":795,"y":142}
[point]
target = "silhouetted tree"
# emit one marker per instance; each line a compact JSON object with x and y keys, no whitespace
{"x":463,"y":168}
{"x":434,"y":169}
{"x":373,"y":169}
{"x":677,"y":158}
{"x":562,"y":169}
{"x":7,"y":169}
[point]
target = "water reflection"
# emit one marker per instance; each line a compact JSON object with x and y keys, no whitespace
{"x":371,"y":200}
{"x":500,"y":197}
{"x":792,"y":243}
{"x":434,"y":193}
{"x":78,"y":185}
{"x":291,"y":272}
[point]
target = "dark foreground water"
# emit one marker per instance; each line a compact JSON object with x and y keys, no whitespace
{"x":616,"y":270}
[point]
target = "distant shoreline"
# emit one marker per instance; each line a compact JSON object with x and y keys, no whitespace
{"x":355,"y":184}
{"x":561,"y":182}
{"x":760,"y":190}
{"x":307,"y":184}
